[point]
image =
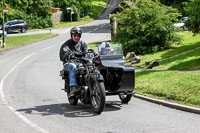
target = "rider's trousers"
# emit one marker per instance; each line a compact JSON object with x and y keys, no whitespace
{"x":71,"y":68}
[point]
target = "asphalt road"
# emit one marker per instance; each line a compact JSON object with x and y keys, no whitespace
{"x":32,"y":100}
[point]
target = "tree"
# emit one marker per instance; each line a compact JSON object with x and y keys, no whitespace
{"x":146,"y":27}
{"x":179,"y":4}
{"x":38,"y":13}
{"x":35,"y":12}
{"x":193,"y":11}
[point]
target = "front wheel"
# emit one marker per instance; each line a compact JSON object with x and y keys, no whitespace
{"x":73,"y":100}
{"x":98,"y":96}
{"x":125,"y":98}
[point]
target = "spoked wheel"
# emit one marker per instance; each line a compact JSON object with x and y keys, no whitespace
{"x":125,"y":98}
{"x":98,"y":96}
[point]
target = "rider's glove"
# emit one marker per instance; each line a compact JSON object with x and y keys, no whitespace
{"x":71,"y":56}
{"x":68,"y":55}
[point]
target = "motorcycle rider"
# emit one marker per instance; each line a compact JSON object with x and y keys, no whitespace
{"x":79,"y":48}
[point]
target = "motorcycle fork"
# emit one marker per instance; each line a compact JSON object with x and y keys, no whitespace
{"x":89,"y":82}
{"x":66,"y":87}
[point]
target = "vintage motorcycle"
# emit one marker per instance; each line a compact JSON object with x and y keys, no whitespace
{"x":101,"y":75}
{"x":89,"y":81}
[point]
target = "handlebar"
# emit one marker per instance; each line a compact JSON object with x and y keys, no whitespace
{"x":87,"y":56}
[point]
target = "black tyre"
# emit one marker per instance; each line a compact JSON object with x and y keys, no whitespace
{"x":98,"y":96}
{"x":23,"y":30}
{"x":125,"y":98}
{"x":73,"y":100}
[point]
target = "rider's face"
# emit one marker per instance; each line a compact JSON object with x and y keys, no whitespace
{"x":76,"y":37}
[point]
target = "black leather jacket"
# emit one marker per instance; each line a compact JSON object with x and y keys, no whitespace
{"x":78,"y":48}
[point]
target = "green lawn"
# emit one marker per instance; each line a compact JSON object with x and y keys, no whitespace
{"x":98,"y":7}
{"x":75,"y":23}
{"x":189,"y":42}
{"x":92,"y":46}
{"x":188,"y":61}
{"x":177,"y":84}
{"x":16,"y":41}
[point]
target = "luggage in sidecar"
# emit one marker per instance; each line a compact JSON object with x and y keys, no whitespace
{"x":118,"y":76}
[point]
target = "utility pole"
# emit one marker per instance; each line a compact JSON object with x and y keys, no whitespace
{"x":115,"y":25}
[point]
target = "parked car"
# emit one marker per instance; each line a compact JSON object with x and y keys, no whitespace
{"x":1,"y":33}
{"x":181,"y":24}
{"x":16,"y":26}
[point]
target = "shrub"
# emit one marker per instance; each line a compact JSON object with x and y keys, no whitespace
{"x":81,"y":8}
{"x":146,"y":27}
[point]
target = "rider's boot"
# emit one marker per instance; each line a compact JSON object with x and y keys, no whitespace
{"x":73,"y":91}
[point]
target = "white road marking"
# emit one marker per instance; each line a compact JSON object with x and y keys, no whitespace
{"x":3,"y":97}
{"x":46,"y":48}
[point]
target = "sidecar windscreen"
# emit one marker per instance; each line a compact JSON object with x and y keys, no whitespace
{"x":111,"y":55}
{"x":107,"y":49}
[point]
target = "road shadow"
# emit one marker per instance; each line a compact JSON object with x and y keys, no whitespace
{"x":101,"y":28}
{"x":67,"y":110}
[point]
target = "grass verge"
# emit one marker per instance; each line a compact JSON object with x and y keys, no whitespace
{"x":173,"y":85}
{"x":16,"y":41}
{"x":187,"y":61}
{"x":177,"y":86}
{"x":92,"y":46}
{"x":189,"y":42}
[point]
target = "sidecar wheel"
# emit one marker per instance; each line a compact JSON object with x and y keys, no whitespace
{"x":73,"y":100}
{"x":125,"y":98}
{"x":98,"y":96}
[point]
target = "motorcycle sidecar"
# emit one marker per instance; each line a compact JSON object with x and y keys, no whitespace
{"x":119,"y":78}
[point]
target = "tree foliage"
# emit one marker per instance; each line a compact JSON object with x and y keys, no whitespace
{"x":80,"y":7}
{"x":179,"y":4}
{"x":146,"y":27}
{"x":193,"y":12}
{"x":37,"y":12}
